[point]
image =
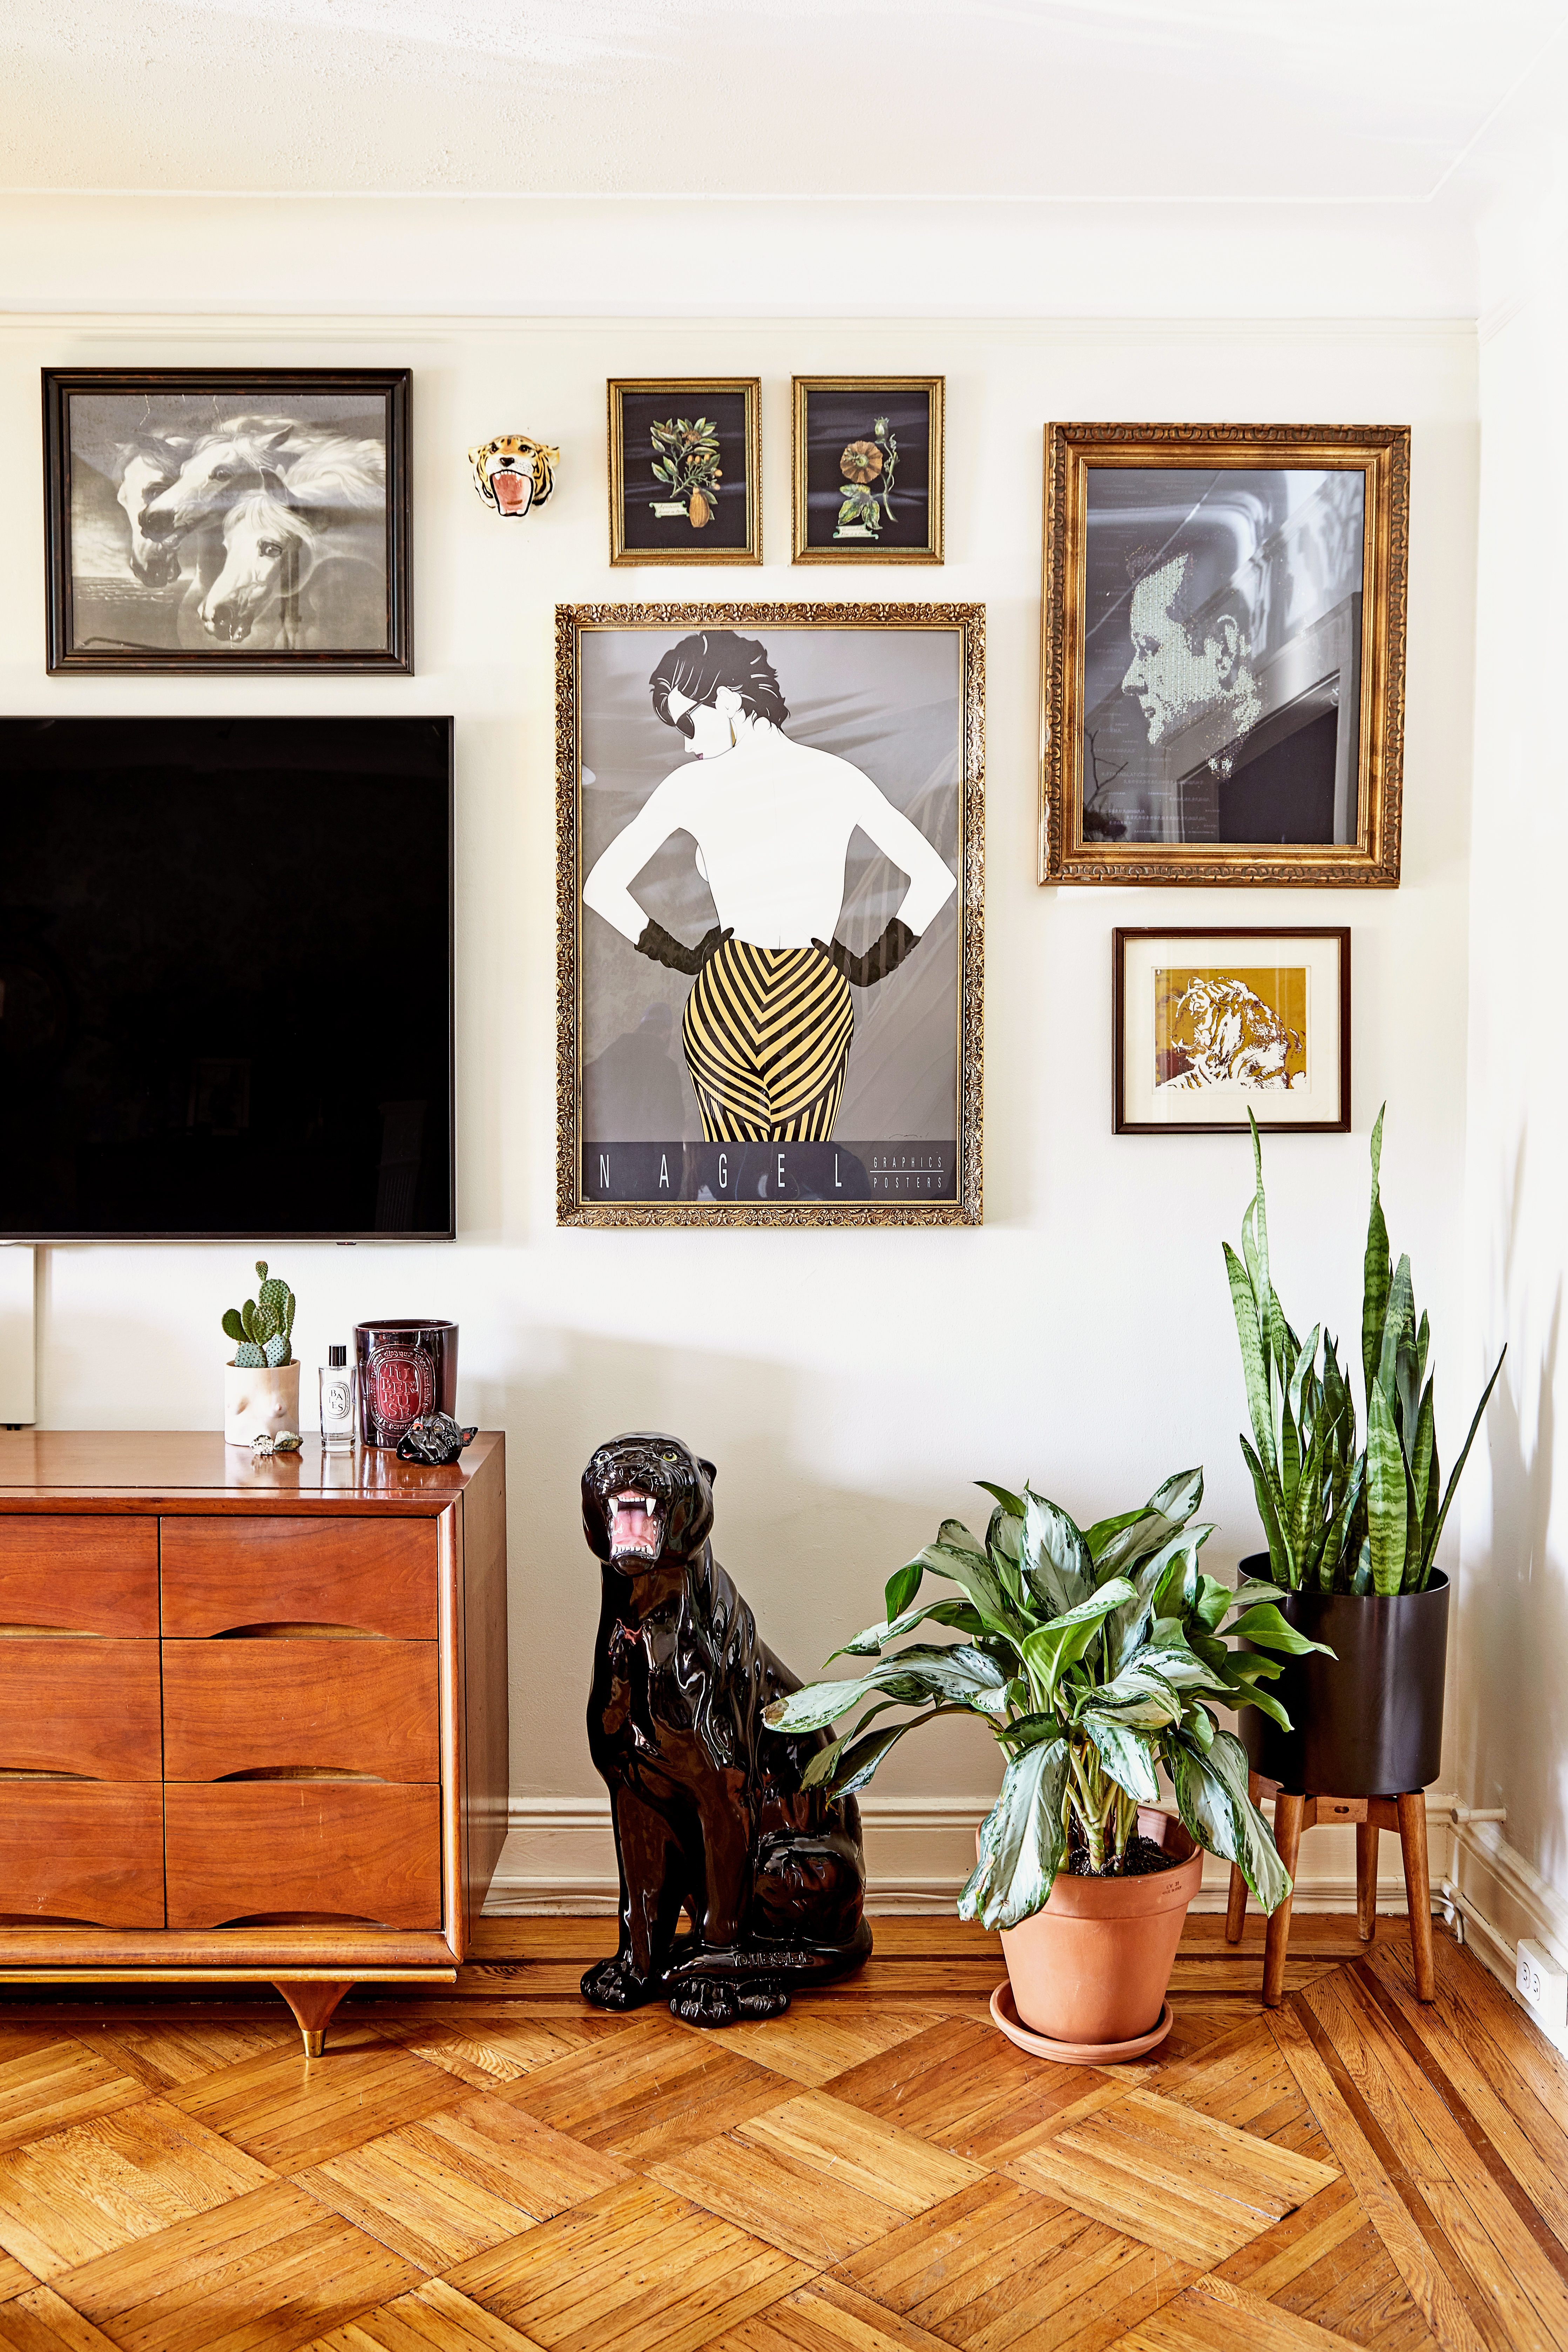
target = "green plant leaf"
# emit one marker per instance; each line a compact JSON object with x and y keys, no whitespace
{"x":1457,"y":1472}
{"x":1050,"y":1649}
{"x":1377,"y":1272}
{"x":233,"y":1328}
{"x":1127,"y":1755}
{"x":964,"y":1674}
{"x":1386,"y":1511}
{"x":1021,"y":1841}
{"x":1124,"y":1542}
{"x":1211,"y":1795}
{"x":247,"y":1319}
{"x":1267,"y":1630}
{"x":1269,"y":1509}
{"x":854,"y":1762}
{"x":1140,"y":1695}
{"x":1055,"y":1557}
{"x":876,"y":1638}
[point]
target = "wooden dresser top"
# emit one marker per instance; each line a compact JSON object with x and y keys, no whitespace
{"x":194,"y":1470}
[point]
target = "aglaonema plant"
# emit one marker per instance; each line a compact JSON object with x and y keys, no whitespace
{"x":1097,"y":1657}
{"x":1337,"y":1516}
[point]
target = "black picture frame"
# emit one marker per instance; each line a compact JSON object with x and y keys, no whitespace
{"x":836,"y":414}
{"x":338,"y":515}
{"x":732,"y":530}
{"x":1189,"y":940}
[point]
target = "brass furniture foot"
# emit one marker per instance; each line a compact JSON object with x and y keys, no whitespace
{"x":313,"y":2005}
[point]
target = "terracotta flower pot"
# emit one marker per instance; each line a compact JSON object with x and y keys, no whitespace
{"x":1093,"y":1966}
{"x":259,"y":1403}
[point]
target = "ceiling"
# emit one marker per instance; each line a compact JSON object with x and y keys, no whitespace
{"x":1112,"y":102}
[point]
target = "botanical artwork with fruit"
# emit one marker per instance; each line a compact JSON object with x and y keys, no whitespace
{"x":686,"y":458}
{"x":868,"y":493}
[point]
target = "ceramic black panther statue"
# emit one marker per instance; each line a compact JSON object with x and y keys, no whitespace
{"x":709,"y":1814}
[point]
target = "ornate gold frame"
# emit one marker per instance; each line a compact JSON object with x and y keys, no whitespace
{"x":935,"y":387}
{"x":674,"y":384}
{"x":1382,"y":453}
{"x":571,"y":622}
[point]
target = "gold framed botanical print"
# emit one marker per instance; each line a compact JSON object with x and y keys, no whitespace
{"x":769,"y":826}
{"x":1209,"y":1025}
{"x":1223,"y":665}
{"x":867,"y":454}
{"x":686,"y":479}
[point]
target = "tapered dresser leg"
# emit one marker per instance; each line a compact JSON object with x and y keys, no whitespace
{"x":1366,"y":1836}
{"x":1288,"y":1813}
{"x":1412,"y":1810}
{"x":313,"y":2005}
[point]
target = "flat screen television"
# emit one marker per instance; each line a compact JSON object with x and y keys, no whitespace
{"x":226,"y":979}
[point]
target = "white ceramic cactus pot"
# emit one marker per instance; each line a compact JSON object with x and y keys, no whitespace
{"x":260,"y":1402}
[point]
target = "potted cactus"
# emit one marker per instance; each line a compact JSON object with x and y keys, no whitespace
{"x":261,"y":1381}
{"x":1353,"y":1530}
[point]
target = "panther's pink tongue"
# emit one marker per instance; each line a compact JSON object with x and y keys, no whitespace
{"x":512,"y":491}
{"x":633,"y":1527}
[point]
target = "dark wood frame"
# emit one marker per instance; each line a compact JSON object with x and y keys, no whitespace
{"x":750,"y":387}
{"x":393,"y":383}
{"x":968,"y":620}
{"x":935,"y":389}
{"x":1381,"y":453}
{"x":1122,"y":1125}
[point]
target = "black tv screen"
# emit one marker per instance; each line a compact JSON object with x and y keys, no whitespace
{"x":225,"y":978}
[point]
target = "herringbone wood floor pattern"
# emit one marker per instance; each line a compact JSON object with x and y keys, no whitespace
{"x":502,"y":2169}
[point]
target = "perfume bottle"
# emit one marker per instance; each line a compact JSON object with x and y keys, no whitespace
{"x":337,"y":1402}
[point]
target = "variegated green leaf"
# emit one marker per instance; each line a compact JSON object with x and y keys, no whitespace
{"x":1021,"y":1841}
{"x":1386,"y":1506}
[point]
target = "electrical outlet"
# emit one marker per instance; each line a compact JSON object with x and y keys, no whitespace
{"x":1541,"y":1983}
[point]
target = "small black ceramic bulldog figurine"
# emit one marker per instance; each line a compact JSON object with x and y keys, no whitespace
{"x":709,"y":1812}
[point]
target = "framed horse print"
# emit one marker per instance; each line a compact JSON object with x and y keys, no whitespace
{"x":1224,"y":659}
{"x":769,"y":878}
{"x":227,"y":519}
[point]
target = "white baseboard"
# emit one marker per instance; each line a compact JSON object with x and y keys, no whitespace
{"x":1503,"y":1899}
{"x":560,"y":1858}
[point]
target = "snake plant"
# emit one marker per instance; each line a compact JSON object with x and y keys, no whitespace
{"x":1338,"y":1518}
{"x":1095,"y":1658}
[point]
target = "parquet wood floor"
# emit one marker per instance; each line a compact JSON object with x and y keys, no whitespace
{"x":499,"y":2169}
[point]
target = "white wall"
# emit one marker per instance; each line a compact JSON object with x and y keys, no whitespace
{"x":850,"y":1385}
{"x":1509,"y":1720}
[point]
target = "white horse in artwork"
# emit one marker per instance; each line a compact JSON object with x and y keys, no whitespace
{"x":147,"y":469}
{"x":323,"y":468}
{"x":275,"y":550}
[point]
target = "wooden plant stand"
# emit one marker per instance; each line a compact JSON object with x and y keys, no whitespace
{"x":1292,"y":1814}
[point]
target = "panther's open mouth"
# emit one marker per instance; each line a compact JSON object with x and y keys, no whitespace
{"x":637,"y":1524}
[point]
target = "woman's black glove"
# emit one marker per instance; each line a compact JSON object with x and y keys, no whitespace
{"x":879,"y":958}
{"x":665,"y":949}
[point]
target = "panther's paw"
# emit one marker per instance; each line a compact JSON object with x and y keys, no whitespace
{"x":616,"y":1984}
{"x":708,"y":2000}
{"x":763,"y":2000}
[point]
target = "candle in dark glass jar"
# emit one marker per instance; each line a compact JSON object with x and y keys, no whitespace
{"x":408,"y":1366}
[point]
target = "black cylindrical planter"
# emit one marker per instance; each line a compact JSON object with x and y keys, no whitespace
{"x":1367,"y":1722}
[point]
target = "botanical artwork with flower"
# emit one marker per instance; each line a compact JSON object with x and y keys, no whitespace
{"x":681,"y":454}
{"x":868,"y":470}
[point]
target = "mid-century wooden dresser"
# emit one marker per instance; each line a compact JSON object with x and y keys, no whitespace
{"x":253,"y":1714}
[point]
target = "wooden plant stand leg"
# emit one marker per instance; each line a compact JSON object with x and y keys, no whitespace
{"x":1412,"y":1812}
{"x":1366,"y":1836}
{"x":1288,"y":1812}
{"x":312,"y":2005}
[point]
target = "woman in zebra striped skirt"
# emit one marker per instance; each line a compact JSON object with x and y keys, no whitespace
{"x":770,"y":1019}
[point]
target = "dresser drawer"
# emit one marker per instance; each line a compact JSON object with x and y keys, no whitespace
{"x":377,"y":1576}
{"x":327,"y":1849}
{"x":80,"y":1574}
{"x":79,"y":1706}
{"x":78,"y":1849}
{"x":259,"y":1706}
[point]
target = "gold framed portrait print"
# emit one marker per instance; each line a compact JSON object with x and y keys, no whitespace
{"x":770,"y":849}
{"x":1223,"y":665}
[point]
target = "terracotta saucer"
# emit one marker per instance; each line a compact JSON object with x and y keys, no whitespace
{"x":1005,"y":2016}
